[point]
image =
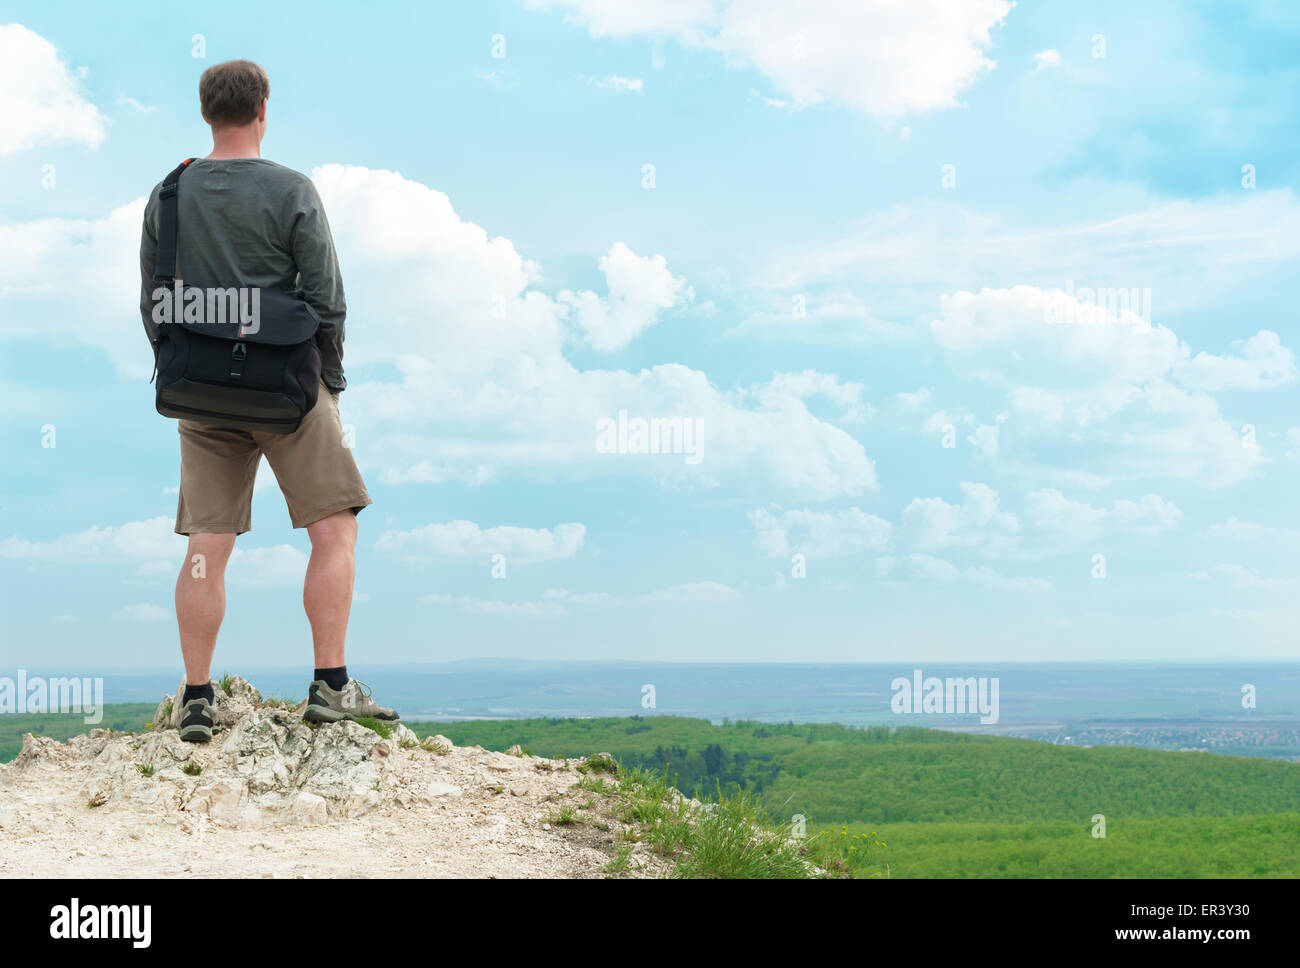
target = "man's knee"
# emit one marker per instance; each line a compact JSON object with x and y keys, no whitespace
{"x":339,"y":529}
{"x":208,"y":553}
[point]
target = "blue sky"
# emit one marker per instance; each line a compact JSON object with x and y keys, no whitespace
{"x":835,"y":238}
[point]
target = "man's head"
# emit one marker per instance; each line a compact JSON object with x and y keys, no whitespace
{"x":233,"y":95}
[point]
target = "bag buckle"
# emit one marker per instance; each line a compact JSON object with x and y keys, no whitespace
{"x":237,"y":357}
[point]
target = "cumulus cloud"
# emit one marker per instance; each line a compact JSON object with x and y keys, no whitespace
{"x":483,"y":386}
{"x":476,"y":381}
{"x":465,"y":539}
{"x":1059,"y":519}
{"x":1264,"y":362}
{"x":153,"y":548}
{"x":818,"y":534}
{"x":1045,"y":59}
{"x":931,"y":522}
{"x":1104,"y":379}
{"x":640,"y":288}
{"x":143,"y":542}
{"x":882,"y":59}
{"x":40,"y":98}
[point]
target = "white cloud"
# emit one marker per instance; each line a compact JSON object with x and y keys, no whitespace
{"x":1237,"y":576}
{"x":145,"y":612}
{"x":640,"y":288}
{"x":831,"y":318}
{"x":913,"y":400}
{"x":694,"y":593}
{"x":819,"y":534}
{"x":40,"y":99}
{"x":1099,"y":381}
{"x":1236,"y":530}
{"x":1024,"y":334}
{"x":925,"y":568}
{"x":1264,"y":362}
{"x":465,"y":539}
{"x":154,"y":549}
{"x":482,"y":386}
{"x":1062,"y":521}
{"x":146,"y":543}
{"x":530,"y":609}
{"x":808,"y":384}
{"x":102,"y":254}
{"x":882,"y":59}
{"x":272,"y":566}
{"x":1047,"y":58}
{"x":1185,"y":252}
{"x":931,"y":522}
{"x":614,"y":82}
{"x":135,"y":105}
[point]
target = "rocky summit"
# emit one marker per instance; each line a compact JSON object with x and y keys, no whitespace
{"x":276,"y":796}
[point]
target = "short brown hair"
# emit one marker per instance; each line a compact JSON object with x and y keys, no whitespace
{"x":232,"y":92}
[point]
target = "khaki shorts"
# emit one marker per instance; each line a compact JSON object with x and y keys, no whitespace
{"x":313,"y":466}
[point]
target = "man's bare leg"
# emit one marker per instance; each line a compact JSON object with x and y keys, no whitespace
{"x":201,"y":602}
{"x":327,"y":590}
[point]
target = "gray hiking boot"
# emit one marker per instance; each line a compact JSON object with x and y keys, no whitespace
{"x":194,"y":718}
{"x":326,"y":705}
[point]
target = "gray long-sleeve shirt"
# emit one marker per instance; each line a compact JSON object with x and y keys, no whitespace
{"x":248,"y":222}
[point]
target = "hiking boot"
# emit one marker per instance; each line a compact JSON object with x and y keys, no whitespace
{"x":326,"y":705}
{"x":193,"y":719}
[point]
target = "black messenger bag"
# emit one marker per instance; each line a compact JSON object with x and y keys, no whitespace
{"x":241,"y":359}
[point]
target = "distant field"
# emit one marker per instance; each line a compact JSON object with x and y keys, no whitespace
{"x":954,"y":805}
{"x":943,"y":804}
{"x":125,"y":717}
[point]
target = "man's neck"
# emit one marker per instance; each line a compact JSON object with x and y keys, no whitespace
{"x":235,"y":143}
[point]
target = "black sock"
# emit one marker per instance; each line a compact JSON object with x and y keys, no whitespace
{"x":198,"y":692}
{"x":335,"y":678}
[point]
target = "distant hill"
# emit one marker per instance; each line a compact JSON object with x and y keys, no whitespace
{"x":960,"y":805}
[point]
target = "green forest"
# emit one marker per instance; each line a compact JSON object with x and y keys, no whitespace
{"x":955,"y":805}
{"x":914,"y":802}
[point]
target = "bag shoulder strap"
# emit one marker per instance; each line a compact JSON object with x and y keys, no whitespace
{"x":164,"y":268}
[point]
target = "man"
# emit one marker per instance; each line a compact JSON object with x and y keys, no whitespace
{"x":248,"y":222}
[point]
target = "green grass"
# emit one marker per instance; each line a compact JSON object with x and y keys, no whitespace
{"x":384,"y":729}
{"x":729,"y":837}
{"x":1246,"y":846}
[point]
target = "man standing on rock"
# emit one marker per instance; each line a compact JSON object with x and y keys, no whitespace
{"x":248,"y":222}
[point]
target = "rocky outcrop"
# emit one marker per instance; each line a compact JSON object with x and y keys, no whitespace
{"x":273,"y":796}
{"x":264,"y":763}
